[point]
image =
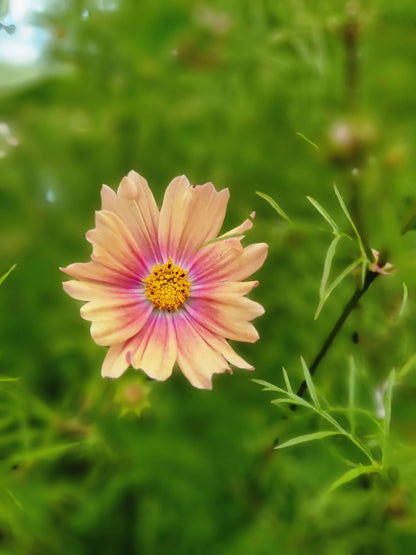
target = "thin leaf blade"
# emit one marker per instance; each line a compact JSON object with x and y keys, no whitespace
{"x":306,"y":438}
{"x":353,"y":473}
{"x":328,"y":264}
{"x":274,"y":205}
{"x":335,"y":284}
{"x":324,"y":214}
{"x":9,"y":271}
{"x":310,"y":384}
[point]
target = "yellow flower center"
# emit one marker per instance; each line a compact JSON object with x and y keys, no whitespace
{"x":167,"y":286}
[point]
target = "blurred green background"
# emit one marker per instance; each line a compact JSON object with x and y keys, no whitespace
{"x":223,"y":92}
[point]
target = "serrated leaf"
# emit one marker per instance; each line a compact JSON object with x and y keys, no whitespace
{"x":310,"y":384}
{"x":307,"y":437}
{"x":353,"y":473}
{"x":4,"y":276}
{"x":325,"y":215}
{"x":274,"y":204}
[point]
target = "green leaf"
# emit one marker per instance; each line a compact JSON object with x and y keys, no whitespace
{"x":363,"y":251}
{"x":351,"y":394}
{"x":46,"y":452}
{"x":295,"y":400}
{"x":387,"y":402}
{"x":325,"y":215}
{"x":9,"y":379}
{"x":405,"y":369}
{"x":327,"y":264}
{"x":307,"y":140}
{"x":287,"y":381}
{"x":4,"y":276}
{"x":410,"y":225}
{"x":310,"y":384}
{"x":335,"y":284}
{"x":307,"y":437}
{"x":274,"y":204}
{"x":354,"y":473}
{"x":14,"y":499}
{"x":404,"y":300}
{"x":267,"y":386}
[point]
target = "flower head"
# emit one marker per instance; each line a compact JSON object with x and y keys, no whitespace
{"x":161,"y":288}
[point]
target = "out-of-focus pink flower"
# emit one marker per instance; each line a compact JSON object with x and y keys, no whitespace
{"x":161,"y":287}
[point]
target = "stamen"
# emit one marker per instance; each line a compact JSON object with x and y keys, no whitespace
{"x":167,"y":286}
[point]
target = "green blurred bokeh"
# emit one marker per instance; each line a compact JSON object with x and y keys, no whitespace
{"x":220,"y":91}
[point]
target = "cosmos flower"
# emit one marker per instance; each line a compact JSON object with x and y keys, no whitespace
{"x":161,"y":288}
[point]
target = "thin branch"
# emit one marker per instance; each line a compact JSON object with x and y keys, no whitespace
{"x":349,"y":307}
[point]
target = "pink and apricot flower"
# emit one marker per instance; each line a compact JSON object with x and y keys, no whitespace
{"x":161,"y":288}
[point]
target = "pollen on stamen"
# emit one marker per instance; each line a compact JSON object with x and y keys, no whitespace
{"x":167,"y":286}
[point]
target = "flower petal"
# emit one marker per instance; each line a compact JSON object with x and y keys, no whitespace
{"x":222,"y":346}
{"x":135,"y":205}
{"x":115,"y":247}
{"x":226,"y":292}
{"x":190,"y":216}
{"x":116,"y":313}
{"x":154,"y":349}
{"x":114,"y":321}
{"x":90,"y":291}
{"x":227,"y":319}
{"x":96,"y":272}
{"x":226,"y":261}
{"x":114,"y":364}
{"x":196,"y":358}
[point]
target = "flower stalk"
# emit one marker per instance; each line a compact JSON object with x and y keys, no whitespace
{"x":348,"y":308}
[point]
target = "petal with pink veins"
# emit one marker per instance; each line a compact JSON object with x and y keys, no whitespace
{"x":230,"y":320}
{"x":115,"y":247}
{"x":196,"y":358}
{"x":114,"y":321}
{"x":189,"y":217}
{"x":226,"y":291}
{"x":222,"y":346}
{"x":97,"y":273}
{"x":154,"y":349}
{"x":227,"y":261}
{"x":135,"y":205}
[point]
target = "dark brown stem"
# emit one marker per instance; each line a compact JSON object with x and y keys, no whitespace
{"x":351,"y":33}
{"x":349,"y":307}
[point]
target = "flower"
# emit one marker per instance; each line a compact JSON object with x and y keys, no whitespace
{"x":377,"y":267}
{"x":132,"y":395}
{"x":161,"y":287}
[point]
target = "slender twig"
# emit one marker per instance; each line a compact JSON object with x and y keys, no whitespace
{"x":349,"y":307}
{"x":351,"y":32}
